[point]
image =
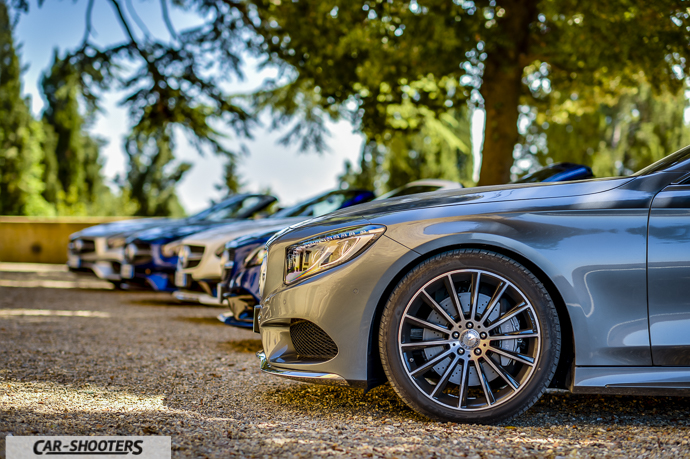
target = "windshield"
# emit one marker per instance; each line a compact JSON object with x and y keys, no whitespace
{"x":541,"y":175}
{"x":236,"y":207}
{"x":322,"y":205}
{"x":406,"y":191}
{"x":667,"y":162}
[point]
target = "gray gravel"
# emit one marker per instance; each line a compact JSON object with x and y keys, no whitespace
{"x":133,"y":363}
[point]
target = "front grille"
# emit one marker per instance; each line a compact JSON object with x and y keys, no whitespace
{"x":311,"y":342}
{"x":229,"y":264}
{"x":83,"y":246}
{"x":190,"y":256}
{"x":138,"y":253}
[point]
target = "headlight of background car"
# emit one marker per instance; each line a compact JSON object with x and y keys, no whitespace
{"x":262,"y":276}
{"x":255,"y":257}
{"x":115,"y":242}
{"x":328,"y":250}
{"x":171,"y":250}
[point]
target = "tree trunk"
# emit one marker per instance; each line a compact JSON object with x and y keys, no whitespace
{"x":501,"y":89}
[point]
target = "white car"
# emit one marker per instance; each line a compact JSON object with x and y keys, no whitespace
{"x":100,"y":248}
{"x":199,"y":258}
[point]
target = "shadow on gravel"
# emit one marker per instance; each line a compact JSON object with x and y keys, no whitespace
{"x":608,"y":410}
{"x":551,"y":409}
{"x":246,"y":345}
{"x":379,"y":402}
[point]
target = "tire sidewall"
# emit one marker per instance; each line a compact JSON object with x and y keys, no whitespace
{"x":494,"y":263}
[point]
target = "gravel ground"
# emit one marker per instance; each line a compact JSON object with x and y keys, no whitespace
{"x":104,"y":362}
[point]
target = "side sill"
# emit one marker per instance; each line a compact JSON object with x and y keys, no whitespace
{"x":657,"y":381}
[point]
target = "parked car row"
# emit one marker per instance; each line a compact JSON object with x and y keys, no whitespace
{"x":331,"y":273}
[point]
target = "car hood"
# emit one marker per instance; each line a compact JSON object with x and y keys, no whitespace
{"x":121,"y":227}
{"x":478,"y":195}
{"x":225,"y":233}
{"x":174,"y":231}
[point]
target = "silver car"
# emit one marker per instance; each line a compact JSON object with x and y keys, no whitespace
{"x":471,"y":303}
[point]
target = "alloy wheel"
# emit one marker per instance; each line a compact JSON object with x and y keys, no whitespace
{"x":469,"y":340}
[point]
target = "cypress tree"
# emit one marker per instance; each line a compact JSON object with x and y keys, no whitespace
{"x":21,"y":156}
{"x":73,"y":164}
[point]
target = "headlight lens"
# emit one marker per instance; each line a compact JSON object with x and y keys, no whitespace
{"x":172,"y":249}
{"x":116,"y":242}
{"x":328,"y":250}
{"x":255,"y":257}
{"x":262,"y":277}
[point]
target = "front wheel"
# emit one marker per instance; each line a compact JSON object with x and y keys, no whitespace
{"x":470,"y":336}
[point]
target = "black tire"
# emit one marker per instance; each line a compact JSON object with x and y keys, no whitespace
{"x":467,"y":348}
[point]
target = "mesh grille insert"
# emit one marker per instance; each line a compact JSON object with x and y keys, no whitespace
{"x":311,"y":342}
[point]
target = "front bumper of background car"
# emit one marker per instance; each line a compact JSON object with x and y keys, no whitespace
{"x":338,"y":307}
{"x":95,"y":256}
{"x":148,"y":266}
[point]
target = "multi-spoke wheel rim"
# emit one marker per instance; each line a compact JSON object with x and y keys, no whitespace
{"x":469,"y":340}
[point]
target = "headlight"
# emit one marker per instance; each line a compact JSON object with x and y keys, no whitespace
{"x":131,"y":252}
{"x":328,"y":250}
{"x":219,"y":251}
{"x":172,"y":249}
{"x":116,"y":242}
{"x":255,"y":257}
{"x":262,"y":278}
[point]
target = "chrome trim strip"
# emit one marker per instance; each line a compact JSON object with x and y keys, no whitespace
{"x":304,"y":376}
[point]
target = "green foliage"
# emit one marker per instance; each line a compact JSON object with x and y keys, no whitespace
{"x":415,"y":146}
{"x":21,"y":155}
{"x":152,"y":175}
{"x":617,"y":137}
{"x":499,"y":55}
{"x":72,"y":175}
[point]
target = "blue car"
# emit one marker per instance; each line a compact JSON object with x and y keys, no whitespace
{"x":558,"y":172}
{"x":241,"y":278}
{"x":148,"y":263}
{"x":240,"y":283}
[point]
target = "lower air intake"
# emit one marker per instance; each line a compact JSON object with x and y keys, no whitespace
{"x":311,"y":342}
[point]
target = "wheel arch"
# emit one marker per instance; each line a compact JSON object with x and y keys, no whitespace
{"x":562,"y":377}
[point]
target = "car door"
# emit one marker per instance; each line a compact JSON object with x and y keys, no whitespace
{"x":668,"y":275}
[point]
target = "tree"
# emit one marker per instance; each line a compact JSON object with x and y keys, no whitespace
{"x":415,"y":146}
{"x":73,"y":178}
{"x":20,"y":136}
{"x":152,"y":175}
{"x":616,"y":137}
{"x":175,"y":81}
{"x":501,"y":54}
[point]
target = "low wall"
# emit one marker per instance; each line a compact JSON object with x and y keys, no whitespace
{"x":39,"y":239}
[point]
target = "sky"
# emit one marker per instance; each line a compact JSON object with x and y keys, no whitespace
{"x":292,"y":176}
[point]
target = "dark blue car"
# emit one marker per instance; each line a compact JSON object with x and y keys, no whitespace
{"x":240,"y":283}
{"x":148,"y":263}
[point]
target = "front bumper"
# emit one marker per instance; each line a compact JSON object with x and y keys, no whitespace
{"x":342,"y":302}
{"x":304,"y":376}
{"x":102,"y":260}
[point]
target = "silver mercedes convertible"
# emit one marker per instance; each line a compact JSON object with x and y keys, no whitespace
{"x":473,"y":302}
